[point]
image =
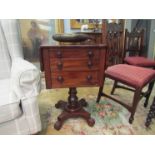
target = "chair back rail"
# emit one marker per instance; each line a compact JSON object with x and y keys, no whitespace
{"x":134,"y":43}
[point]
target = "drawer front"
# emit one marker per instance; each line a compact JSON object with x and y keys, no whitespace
{"x":74,"y":64}
{"x":70,"y":53}
{"x":74,"y":79}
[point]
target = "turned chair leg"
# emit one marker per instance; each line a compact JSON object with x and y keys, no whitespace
{"x":100,"y":92}
{"x":151,"y":114}
{"x":134,"y":104}
{"x":150,"y":87}
{"x":114,"y":87}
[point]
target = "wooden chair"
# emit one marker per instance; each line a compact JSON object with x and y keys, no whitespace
{"x":132,"y":76}
{"x":114,"y":41}
{"x":133,"y":45}
{"x":113,"y":48}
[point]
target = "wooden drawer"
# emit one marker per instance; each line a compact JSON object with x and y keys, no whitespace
{"x":74,"y":79}
{"x":70,"y":53}
{"x":74,"y":64}
{"x":73,"y":76}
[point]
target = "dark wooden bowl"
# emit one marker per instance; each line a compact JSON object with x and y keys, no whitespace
{"x":70,"y":37}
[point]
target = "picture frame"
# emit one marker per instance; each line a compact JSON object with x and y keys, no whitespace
{"x":34,"y":33}
{"x":77,"y":23}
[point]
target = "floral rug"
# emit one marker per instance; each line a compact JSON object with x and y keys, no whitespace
{"x":110,"y":117}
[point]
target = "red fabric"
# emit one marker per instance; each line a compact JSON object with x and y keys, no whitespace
{"x":139,"y":61}
{"x":132,"y":75}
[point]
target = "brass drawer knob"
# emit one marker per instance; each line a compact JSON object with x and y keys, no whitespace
{"x":89,"y":77}
{"x":60,"y":79}
{"x":59,"y":54}
{"x":90,"y":53}
{"x":60,"y":65}
{"x":90,"y":64}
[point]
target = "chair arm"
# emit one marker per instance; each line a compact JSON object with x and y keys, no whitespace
{"x":25,"y":79}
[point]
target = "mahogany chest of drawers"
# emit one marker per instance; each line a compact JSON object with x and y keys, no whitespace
{"x":73,"y":65}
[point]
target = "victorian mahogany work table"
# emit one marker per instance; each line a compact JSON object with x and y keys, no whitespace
{"x":71,"y":66}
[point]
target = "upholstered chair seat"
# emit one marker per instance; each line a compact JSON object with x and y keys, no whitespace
{"x":140,"y":61}
{"x":134,"y":77}
{"x":131,"y":75}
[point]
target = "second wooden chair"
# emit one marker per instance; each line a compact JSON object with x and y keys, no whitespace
{"x":132,"y":76}
{"x":133,"y":45}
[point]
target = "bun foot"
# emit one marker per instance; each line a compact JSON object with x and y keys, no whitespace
{"x":91,"y":122}
{"x":83,"y":102}
{"x":58,"y":125}
{"x":60,"y":104}
{"x":57,"y":105}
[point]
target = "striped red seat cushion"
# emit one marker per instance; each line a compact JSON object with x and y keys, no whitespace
{"x":131,"y":75}
{"x":140,"y":61}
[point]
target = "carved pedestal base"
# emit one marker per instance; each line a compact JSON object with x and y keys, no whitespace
{"x":72,"y":109}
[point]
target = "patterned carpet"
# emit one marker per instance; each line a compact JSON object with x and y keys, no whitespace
{"x":110,"y":117}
